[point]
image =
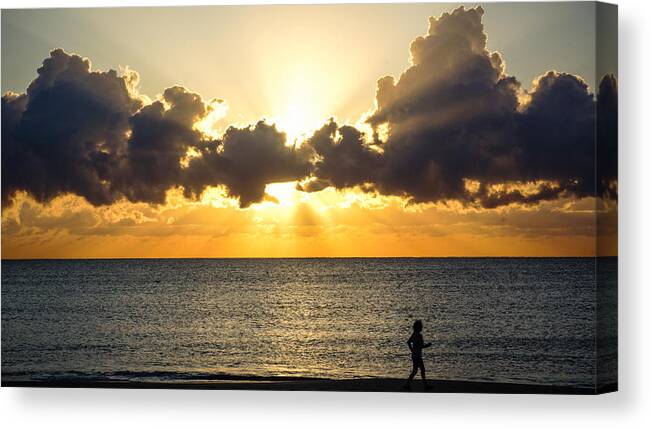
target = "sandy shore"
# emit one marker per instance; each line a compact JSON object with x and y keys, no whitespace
{"x":302,"y":384}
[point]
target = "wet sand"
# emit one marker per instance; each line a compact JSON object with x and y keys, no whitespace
{"x":307,"y":384}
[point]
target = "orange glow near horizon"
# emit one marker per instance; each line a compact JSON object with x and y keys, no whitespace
{"x":291,"y":223}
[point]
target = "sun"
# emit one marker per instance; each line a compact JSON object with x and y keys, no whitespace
{"x":294,"y":122}
{"x":300,"y":102}
{"x":297,"y":120}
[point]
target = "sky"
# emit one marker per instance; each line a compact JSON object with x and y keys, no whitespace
{"x":273,"y":131}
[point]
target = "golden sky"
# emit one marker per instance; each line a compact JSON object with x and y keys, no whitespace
{"x":359,"y":195}
{"x":326,"y":224}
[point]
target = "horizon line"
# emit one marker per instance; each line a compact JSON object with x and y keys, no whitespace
{"x":304,"y":258}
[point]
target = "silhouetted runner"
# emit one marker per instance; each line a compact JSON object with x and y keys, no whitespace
{"x":416,"y":345}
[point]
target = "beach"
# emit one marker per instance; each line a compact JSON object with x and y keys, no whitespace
{"x":310,"y":384}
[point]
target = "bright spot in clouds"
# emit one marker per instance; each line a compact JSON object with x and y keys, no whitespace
{"x":283,"y":194}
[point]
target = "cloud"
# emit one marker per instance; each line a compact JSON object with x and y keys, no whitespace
{"x":454,"y":126}
{"x":455,"y":116}
{"x":607,"y":137}
{"x":88,"y":133}
{"x":161,"y":135}
{"x":247,"y":160}
{"x":65,"y":133}
{"x":342,"y":158}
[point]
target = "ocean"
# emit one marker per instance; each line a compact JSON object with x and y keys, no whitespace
{"x":515,"y":320}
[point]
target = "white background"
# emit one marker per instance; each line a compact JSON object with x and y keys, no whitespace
{"x":628,"y":407}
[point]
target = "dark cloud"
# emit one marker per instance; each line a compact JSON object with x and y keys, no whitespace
{"x":453,"y":127}
{"x":454,"y":116}
{"x":342,"y":158}
{"x":68,"y":137}
{"x":84,"y":132}
{"x":607,"y":137}
{"x":161,"y":135}
{"x":246,"y":161}
{"x":13,"y":106}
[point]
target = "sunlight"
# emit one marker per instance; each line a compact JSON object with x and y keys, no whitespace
{"x":284,"y":194}
{"x":298,"y":119}
{"x":217,"y":197}
{"x":299,"y":101}
{"x":209,"y":125}
{"x":293,"y":122}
